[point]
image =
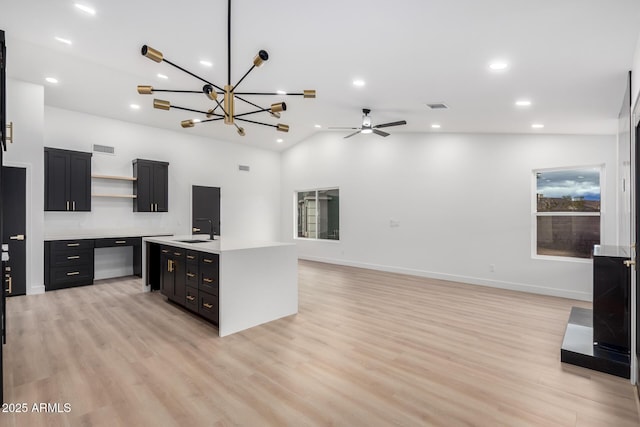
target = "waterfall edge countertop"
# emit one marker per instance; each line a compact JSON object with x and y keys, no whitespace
{"x":257,"y":283}
{"x":217,"y":246}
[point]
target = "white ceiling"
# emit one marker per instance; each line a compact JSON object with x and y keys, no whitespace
{"x":569,"y":57}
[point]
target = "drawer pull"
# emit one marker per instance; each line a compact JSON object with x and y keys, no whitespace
{"x":191,"y":297}
{"x":72,"y":244}
{"x":191,"y":275}
{"x":119,"y":242}
{"x":177,"y":253}
{"x":165,"y":251}
{"x":73,"y":273}
{"x":74,"y":257}
{"x":207,"y":260}
{"x":207,"y":280}
{"x":207,"y":306}
{"x":190,"y":257}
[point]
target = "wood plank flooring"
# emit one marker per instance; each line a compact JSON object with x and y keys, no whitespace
{"x":367,"y":349}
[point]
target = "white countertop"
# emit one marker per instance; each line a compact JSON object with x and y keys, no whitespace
{"x":102,"y":234}
{"x":220,"y":244}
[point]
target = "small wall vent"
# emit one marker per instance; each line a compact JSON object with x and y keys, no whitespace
{"x":104,"y":149}
{"x":244,"y":168}
{"x":438,"y":106}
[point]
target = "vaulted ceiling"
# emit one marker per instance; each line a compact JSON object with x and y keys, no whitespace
{"x":569,"y":58}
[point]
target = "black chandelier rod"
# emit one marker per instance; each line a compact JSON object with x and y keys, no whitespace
{"x":268,"y":93}
{"x":248,"y":102}
{"x":257,"y":123}
{"x":261,"y":110}
{"x":191,"y":74}
{"x":228,"y":43}
{"x":177,"y":91}
{"x":197,"y":111}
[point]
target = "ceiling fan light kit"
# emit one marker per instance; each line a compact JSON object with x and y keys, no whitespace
{"x":367,"y":128}
{"x":223,"y":110}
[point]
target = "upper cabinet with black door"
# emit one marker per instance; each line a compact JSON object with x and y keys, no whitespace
{"x":67,"y":176}
{"x":151,"y":187}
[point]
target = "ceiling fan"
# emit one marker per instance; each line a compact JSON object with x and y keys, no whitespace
{"x":368,"y":128}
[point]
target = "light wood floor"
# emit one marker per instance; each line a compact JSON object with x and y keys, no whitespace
{"x":366,"y":349}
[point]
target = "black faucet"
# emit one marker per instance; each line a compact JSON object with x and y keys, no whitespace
{"x":210,"y":226}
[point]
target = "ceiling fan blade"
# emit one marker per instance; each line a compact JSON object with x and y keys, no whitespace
{"x":386,"y":125}
{"x":331,"y":127}
{"x":350,"y":135}
{"x":381,"y":133}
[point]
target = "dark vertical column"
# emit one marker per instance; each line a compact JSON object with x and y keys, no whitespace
{"x":3,"y":129}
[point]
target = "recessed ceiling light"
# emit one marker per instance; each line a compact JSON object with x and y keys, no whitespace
{"x":281,"y":92}
{"x":317,"y":126}
{"x":435,"y":126}
{"x":162,"y":76}
{"x":498,"y":66}
{"x":279,"y":140}
{"x":358,"y":83}
{"x":61,"y":40}
{"x":134,"y":106}
{"x":537,"y":125}
{"x":86,"y":9}
{"x":523,"y":103}
{"x":51,"y":80}
{"x":206,"y":63}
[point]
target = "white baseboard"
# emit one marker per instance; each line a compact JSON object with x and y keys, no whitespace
{"x":523,"y":287}
{"x":35,"y":290}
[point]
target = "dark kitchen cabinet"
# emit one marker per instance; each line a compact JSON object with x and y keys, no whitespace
{"x":174,"y":273}
{"x":68,"y":263}
{"x":151,"y":187}
{"x":67,"y":176}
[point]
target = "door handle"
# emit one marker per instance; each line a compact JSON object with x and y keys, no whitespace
{"x":194,"y":229}
{"x":629,"y":262}
{"x":17,"y":237}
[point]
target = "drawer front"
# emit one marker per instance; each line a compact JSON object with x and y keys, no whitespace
{"x":70,"y":276}
{"x":208,"y":278}
{"x":79,"y":257}
{"x":63,"y":245}
{"x":192,"y":299}
{"x":115,"y":241}
{"x":192,"y":274}
{"x":208,"y":307}
{"x":192,"y":256}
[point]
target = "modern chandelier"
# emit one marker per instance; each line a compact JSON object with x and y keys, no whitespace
{"x":225,"y":109}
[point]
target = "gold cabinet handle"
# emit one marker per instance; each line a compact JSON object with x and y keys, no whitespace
{"x":10,"y":289}
{"x":165,"y":251}
{"x":68,"y":205}
{"x":191,"y":297}
{"x":70,"y":245}
{"x":207,"y":306}
{"x":74,"y":205}
{"x":17,"y":237}
{"x":208,"y":260}
{"x":74,"y":257}
{"x":170,"y":266}
{"x":177,"y":253}
{"x":190,"y":257}
{"x":194,"y":229}
{"x":191,"y":275}
{"x":207,"y":280}
{"x":73,"y":273}
{"x":119,"y":242}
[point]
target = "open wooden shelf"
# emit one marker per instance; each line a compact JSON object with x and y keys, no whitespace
{"x":121,"y":178}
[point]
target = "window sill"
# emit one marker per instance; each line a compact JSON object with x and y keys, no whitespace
{"x":306,"y":239}
{"x":562,"y":259}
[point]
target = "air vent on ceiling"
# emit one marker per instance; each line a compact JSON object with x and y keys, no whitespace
{"x":104,"y":149}
{"x":244,"y":168}
{"x":438,"y":106}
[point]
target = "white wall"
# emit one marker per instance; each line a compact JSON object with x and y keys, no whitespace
{"x":25,"y":108}
{"x":463,"y":202}
{"x":250,"y":201}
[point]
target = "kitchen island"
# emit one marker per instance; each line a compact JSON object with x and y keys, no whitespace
{"x":234,"y":284}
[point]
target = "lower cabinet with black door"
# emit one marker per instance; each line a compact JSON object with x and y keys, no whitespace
{"x":190,"y":278}
{"x":68,"y":263}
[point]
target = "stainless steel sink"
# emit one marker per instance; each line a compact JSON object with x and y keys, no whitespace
{"x":194,"y":241}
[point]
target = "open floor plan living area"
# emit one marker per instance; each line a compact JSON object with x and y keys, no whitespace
{"x":363,"y":213}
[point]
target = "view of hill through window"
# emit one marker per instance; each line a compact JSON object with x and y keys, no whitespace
{"x":568,"y":212}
